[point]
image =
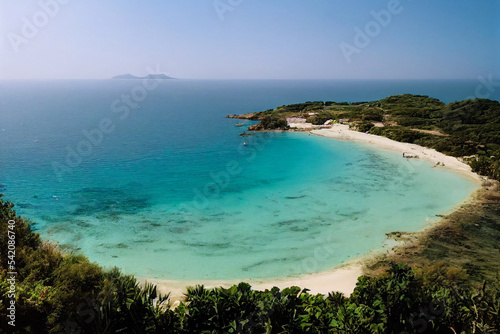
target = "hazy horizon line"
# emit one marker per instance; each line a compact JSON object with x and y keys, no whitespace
{"x":239,"y":79}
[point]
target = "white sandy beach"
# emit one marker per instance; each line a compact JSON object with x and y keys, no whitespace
{"x":342,"y":278}
{"x":342,"y":132}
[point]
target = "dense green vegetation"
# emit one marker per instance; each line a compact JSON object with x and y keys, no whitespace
{"x":464,"y":128}
{"x":59,"y":292}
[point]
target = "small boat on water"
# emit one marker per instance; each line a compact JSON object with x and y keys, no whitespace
{"x":239,"y":124}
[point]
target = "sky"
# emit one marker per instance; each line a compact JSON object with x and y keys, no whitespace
{"x":250,"y":39}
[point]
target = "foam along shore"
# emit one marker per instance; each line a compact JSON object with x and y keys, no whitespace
{"x":342,"y":132}
{"x":342,"y":279}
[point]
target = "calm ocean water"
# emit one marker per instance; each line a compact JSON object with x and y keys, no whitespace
{"x":158,"y":182}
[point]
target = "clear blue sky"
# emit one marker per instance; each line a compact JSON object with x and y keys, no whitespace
{"x":257,"y":39}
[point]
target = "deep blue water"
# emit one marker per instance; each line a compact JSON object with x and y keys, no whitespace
{"x":160,"y":183}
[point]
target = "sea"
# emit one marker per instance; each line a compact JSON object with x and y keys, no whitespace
{"x":151,"y":177}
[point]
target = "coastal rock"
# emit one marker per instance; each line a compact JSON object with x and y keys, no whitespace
{"x":256,"y":127}
{"x":251,"y":116}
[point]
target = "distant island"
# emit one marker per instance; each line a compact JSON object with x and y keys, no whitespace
{"x":149,"y":76}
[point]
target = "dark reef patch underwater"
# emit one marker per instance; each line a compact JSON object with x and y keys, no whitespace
{"x":112,"y":201}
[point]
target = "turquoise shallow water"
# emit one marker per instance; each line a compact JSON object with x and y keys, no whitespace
{"x":172,"y":193}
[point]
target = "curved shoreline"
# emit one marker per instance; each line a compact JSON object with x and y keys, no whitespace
{"x":342,"y":278}
{"x":342,"y":132}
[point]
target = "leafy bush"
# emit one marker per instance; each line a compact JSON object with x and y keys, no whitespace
{"x":271,"y":122}
{"x":364,"y":127}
